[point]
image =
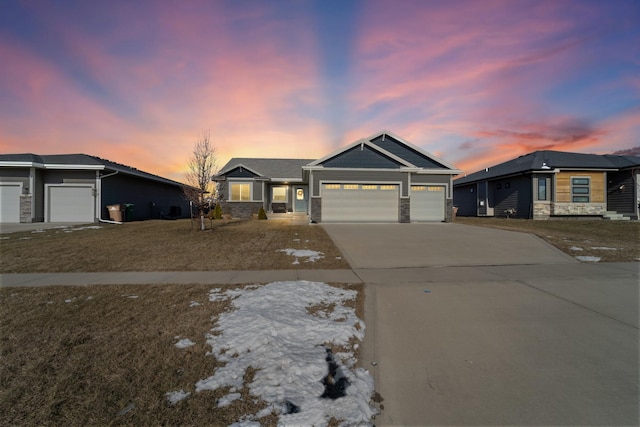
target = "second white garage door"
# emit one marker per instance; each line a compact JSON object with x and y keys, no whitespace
{"x":360,"y":203}
{"x":427,"y":203}
{"x":70,"y":203}
{"x":10,"y":202}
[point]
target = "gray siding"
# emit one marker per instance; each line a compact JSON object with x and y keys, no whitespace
{"x":512,"y":193}
{"x":151,"y":199}
{"x":465,"y":197}
{"x":69,"y":176}
{"x":361,"y":157}
{"x":360,"y":176}
{"x":482,"y":197}
{"x":258,"y":191}
{"x":237,"y":173}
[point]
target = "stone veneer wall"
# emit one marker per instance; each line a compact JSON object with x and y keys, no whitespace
{"x":448,"y":217}
{"x":541,"y":210}
{"x":241,"y":209}
{"x":316,"y":209}
{"x":593,"y":209}
{"x":405,"y":210}
{"x":25,"y":208}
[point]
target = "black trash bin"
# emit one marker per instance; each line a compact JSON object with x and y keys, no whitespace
{"x":128,"y":212}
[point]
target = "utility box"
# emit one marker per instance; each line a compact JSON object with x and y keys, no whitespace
{"x":115,"y":212}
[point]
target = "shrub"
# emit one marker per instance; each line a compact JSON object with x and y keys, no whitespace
{"x":217,"y":211}
{"x":262,"y":214}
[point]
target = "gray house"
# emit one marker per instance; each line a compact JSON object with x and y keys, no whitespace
{"x":547,"y":184}
{"x":382,"y":178}
{"x":79,"y":187}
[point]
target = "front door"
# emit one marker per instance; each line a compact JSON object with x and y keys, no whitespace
{"x":300,"y":202}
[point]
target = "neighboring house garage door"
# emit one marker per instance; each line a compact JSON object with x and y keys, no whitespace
{"x":71,"y":203}
{"x":427,"y":203}
{"x":10,"y":202}
{"x":360,"y":203}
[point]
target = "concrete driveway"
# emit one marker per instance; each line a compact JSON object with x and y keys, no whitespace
{"x":439,"y":244}
{"x":472,"y":326}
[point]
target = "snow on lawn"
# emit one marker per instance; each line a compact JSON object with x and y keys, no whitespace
{"x":272,"y":330}
{"x":588,"y":258}
{"x":312,"y":256}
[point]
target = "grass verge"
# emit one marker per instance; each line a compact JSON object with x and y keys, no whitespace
{"x":106,"y":355}
{"x":611,"y":241}
{"x":167,"y":246}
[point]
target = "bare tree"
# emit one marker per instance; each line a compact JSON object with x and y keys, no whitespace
{"x":200,"y":170}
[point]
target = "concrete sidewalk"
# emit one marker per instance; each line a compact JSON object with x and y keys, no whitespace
{"x":181,"y":277}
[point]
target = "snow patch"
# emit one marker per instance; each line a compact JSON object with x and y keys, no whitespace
{"x":184,"y":343}
{"x":588,"y":258}
{"x":228,"y":399}
{"x":194,"y":304}
{"x":603,"y":248}
{"x":176,"y":396}
{"x":575,"y":248}
{"x":312,"y":256}
{"x":272,"y":331}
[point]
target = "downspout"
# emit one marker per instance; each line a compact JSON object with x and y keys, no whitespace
{"x":100,"y":216}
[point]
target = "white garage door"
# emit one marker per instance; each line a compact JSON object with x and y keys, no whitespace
{"x":10,"y":202}
{"x":427,"y":203}
{"x":360,"y":203}
{"x":71,"y":203}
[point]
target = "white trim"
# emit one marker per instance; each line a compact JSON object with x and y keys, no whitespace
{"x":244,"y":181}
{"x":20,"y":164}
{"x":73,"y":167}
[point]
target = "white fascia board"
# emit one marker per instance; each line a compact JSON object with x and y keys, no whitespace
{"x":435,"y":171}
{"x":369,"y":144}
{"x":15,"y":164}
{"x":73,"y":167}
{"x":289,"y":180}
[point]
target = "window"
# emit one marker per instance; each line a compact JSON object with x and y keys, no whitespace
{"x":369,"y":187}
{"x":351,"y":186}
{"x":435,"y":188}
{"x":387,"y":187}
{"x":240,"y":192}
{"x":279,"y":194}
{"x":542,"y":189}
{"x":507,"y":185}
{"x":332,"y":186}
{"x":580,"y":190}
{"x":498,"y":186}
{"x":418,"y":188}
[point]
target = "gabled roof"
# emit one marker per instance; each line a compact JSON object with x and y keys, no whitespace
{"x":548,"y":160}
{"x":76,"y":162}
{"x":389,"y":146}
{"x":278,"y":169}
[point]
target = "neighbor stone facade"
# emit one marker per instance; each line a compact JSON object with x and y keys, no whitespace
{"x":569,"y":209}
{"x":25,"y":208}
{"x":405,"y":210}
{"x":240,"y":209}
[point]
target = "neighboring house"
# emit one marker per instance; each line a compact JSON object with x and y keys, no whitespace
{"x":546,"y":184}
{"x":79,"y":187}
{"x":382,"y":178}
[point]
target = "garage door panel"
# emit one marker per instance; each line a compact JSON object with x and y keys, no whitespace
{"x":360,"y":203}
{"x":10,"y":203}
{"x":427,"y":203}
{"x":71,"y":204}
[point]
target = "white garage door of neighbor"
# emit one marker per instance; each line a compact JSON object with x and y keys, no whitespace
{"x":360,"y":202}
{"x":10,"y":202}
{"x":71,"y":203}
{"x":427,"y":203}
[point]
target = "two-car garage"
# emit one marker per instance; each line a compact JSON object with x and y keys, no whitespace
{"x":358,"y":202}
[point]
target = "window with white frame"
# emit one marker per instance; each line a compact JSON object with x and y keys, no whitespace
{"x":279,"y":194}
{"x":542,"y":189}
{"x":240,"y":191}
{"x":580,"y":189}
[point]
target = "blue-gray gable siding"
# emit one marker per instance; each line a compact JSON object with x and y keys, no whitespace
{"x":621,"y":195}
{"x":240,"y":173}
{"x":361,"y":156}
{"x":512,"y":193}
{"x":407,"y":153}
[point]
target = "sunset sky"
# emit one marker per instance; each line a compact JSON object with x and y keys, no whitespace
{"x":473,"y":82}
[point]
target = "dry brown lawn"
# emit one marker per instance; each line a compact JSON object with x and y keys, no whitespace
{"x":612,"y":241}
{"x":106,"y":355}
{"x":168,"y":246}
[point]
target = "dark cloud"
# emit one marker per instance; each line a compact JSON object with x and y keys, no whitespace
{"x":634,"y":151}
